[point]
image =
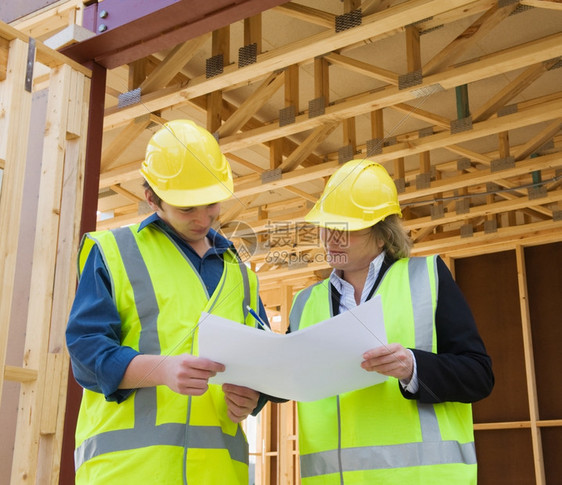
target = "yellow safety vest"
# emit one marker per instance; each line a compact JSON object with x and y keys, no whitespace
{"x":157,"y":436}
{"x":375,"y":435}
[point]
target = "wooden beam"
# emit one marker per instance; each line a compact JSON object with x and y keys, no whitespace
{"x":517,"y":203}
{"x":471,"y":35}
{"x":293,"y":53}
{"x":252,"y":104}
{"x":549,"y":4}
{"x":538,"y":140}
{"x":492,"y":65}
{"x":512,"y":89}
{"x":305,"y":148}
{"x":178,"y":57}
{"x":308,"y":14}
{"x":123,"y":140}
{"x":361,"y":67}
{"x":19,"y":374}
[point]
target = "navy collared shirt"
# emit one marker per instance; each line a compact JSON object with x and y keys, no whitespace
{"x":93,"y":334}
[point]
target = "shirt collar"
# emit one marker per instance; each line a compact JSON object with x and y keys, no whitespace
{"x":374,"y":268}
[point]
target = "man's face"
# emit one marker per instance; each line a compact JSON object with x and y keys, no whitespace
{"x":191,"y":223}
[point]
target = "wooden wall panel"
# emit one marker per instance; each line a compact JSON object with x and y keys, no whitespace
{"x":552,"y":444}
{"x":505,"y":457}
{"x":489,"y":283}
{"x":544,"y":278}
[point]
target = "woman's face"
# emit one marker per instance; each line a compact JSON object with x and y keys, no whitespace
{"x":350,"y":250}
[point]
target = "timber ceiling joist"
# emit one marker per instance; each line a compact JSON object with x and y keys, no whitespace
{"x":461,"y":101}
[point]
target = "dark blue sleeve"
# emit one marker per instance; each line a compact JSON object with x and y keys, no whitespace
{"x":93,"y":334}
{"x":462,"y":369}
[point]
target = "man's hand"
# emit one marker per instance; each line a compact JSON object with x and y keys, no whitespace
{"x":186,"y":374}
{"x":240,"y":401}
{"x":390,"y":360}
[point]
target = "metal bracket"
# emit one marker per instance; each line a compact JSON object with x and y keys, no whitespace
{"x":427,"y":131}
{"x":537,"y":192}
{"x":30,"y":64}
{"x":316,"y":107}
{"x":463,"y":164}
{"x":462,"y":206}
{"x":348,"y":20}
{"x":214,"y":66}
{"x":427,"y":90}
{"x":462,"y":124}
{"x":423,"y":180}
{"x":490,"y":226}
{"x":247,"y":55}
{"x":437,"y":211}
{"x":507,"y":110}
{"x":287,"y":116}
{"x":128,"y":98}
{"x":502,"y":164}
{"x":410,"y":79}
{"x":345,"y":153}
{"x":400,"y":185}
{"x":271,"y":175}
{"x":467,"y":230}
{"x":505,"y":3}
{"x":374,"y":146}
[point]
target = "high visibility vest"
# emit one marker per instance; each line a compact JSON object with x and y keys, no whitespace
{"x":375,"y":435}
{"x":157,"y":436}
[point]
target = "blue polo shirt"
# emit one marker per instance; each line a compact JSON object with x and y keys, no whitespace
{"x":93,"y":334}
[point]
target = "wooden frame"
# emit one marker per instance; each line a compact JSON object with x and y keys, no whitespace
{"x":43,"y":370}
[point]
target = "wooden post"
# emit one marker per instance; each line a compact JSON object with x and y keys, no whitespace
{"x":43,"y":373}
{"x":530,"y":366}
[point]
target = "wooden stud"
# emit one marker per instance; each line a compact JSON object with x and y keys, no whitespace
{"x":413,"y":52}
{"x":253,"y":31}
{"x":530,"y":366}
{"x":292,"y":87}
{"x":4,"y":48}
{"x":15,"y":103}
{"x":321,"y":79}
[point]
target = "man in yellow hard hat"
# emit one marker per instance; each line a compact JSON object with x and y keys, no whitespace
{"x":148,"y":413}
{"x":416,"y":427}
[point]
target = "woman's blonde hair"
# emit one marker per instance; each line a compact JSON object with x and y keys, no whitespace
{"x":397,"y":242}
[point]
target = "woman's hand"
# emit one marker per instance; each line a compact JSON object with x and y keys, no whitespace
{"x":390,"y":360}
{"x":240,"y":401}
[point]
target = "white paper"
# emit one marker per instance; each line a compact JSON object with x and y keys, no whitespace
{"x":317,"y":362}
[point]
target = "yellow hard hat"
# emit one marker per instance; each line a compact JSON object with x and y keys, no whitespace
{"x":185,"y":167}
{"x":358,"y":195}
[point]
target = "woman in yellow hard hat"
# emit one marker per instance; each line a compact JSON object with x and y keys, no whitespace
{"x":148,"y":414}
{"x":416,"y":427}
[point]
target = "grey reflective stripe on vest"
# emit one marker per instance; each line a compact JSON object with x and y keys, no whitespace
{"x":422,"y":305}
{"x":168,"y":434}
{"x":432,"y":450}
{"x":298,"y":306}
{"x":146,"y":432}
{"x":246,"y":281}
{"x":389,"y":456}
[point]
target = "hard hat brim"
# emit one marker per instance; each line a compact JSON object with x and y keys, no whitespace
{"x":196,"y":197}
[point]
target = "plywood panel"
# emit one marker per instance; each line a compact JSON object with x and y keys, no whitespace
{"x":505,"y":457}
{"x":489,"y":283}
{"x":544,"y":279}
{"x":551,"y":445}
